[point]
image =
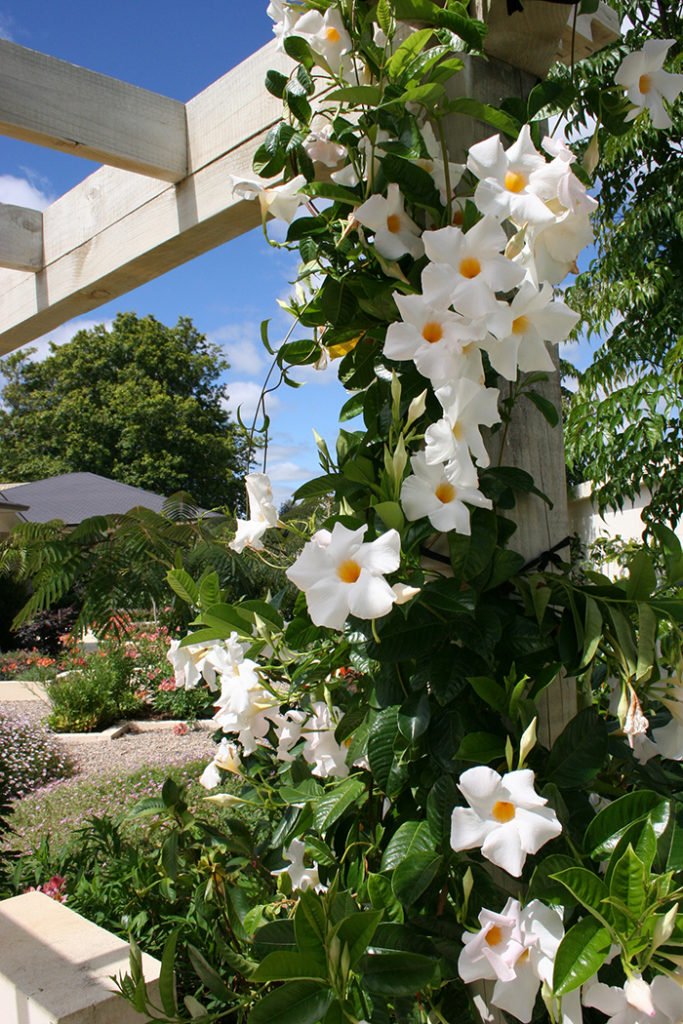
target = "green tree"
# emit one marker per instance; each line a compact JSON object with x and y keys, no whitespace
{"x":140,"y":403}
{"x":624,"y":429}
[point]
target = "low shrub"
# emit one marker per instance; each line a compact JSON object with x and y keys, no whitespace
{"x":197,"y":873}
{"x":95,"y":696}
{"x":29,"y":757}
{"x":27,"y":665}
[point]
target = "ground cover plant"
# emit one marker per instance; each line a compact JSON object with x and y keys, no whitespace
{"x":427,"y":836}
{"x":29,"y":757}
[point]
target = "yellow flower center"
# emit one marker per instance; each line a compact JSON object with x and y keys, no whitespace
{"x":503,"y":811}
{"x":644,"y":84}
{"x":432,"y":332}
{"x":470,"y":267}
{"x":394,"y":223}
{"x":514,"y":182}
{"x":332,"y":35}
{"x":458,"y":431}
{"x":445,"y":492}
{"x":520,"y":324}
{"x":466,"y":349}
{"x":494,"y":936}
{"x":458,"y":217}
{"x":348,"y":571}
{"x":522,"y":958}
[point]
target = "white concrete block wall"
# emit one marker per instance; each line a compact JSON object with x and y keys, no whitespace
{"x":55,"y":966}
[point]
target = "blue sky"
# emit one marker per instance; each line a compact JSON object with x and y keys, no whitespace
{"x":178,"y":49}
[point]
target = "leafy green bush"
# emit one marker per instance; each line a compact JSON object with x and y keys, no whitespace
{"x":94,"y":697}
{"x":29,"y":758}
{"x":196,"y":875}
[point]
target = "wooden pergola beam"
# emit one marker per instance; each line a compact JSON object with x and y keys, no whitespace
{"x":21,"y":238}
{"x":116,"y":231}
{"x":62,"y":106}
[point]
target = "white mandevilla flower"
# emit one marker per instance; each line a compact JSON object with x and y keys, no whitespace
{"x":536,"y":318}
{"x":467,"y":269}
{"x":439,"y":493}
{"x":326,"y":35}
{"x":646,"y":83}
{"x":395,"y":233}
{"x":341,"y":575}
{"x":440,"y":343}
{"x":506,"y":817}
{"x":638,"y":1002}
{"x":320,"y":148}
{"x":558,"y":182}
{"x":516,"y":949}
{"x":553,"y":249}
{"x":668,"y":739}
{"x":196,"y":661}
{"x":510,"y":180}
{"x":285,"y":17}
{"x":467,"y":406}
{"x":288,"y":731}
{"x":320,"y":747}
{"x":262,"y":514}
{"x":227,"y":759}
{"x":280,"y":201}
{"x":302,"y":878}
{"x":245,"y":707}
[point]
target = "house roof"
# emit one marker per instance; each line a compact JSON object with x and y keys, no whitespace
{"x":73,"y":497}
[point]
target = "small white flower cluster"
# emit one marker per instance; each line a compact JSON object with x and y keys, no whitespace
{"x":247,"y":709}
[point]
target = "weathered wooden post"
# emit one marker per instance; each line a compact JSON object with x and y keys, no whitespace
{"x":520,"y":49}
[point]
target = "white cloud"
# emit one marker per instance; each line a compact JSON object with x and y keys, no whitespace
{"x":21,"y":192}
{"x":5,"y":27}
{"x":243,"y":347}
{"x":287,"y":472}
{"x":244,"y":394}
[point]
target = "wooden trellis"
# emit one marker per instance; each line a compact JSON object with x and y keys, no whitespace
{"x":163,"y":196}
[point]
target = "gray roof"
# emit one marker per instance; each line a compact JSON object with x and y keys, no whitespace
{"x":73,"y":497}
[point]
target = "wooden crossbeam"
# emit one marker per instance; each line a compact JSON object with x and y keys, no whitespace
{"x":65,"y":107}
{"x":116,"y":231}
{"x":21,"y":238}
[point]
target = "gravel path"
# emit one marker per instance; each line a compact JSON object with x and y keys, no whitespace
{"x":128,"y":752}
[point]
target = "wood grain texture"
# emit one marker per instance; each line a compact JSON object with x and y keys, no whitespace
{"x":117,"y":230}
{"x":21,"y":238}
{"x":62,"y":106}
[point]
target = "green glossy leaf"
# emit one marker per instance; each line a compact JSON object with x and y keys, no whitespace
{"x":356,"y":931}
{"x":381,"y":744}
{"x":336,"y":801}
{"x":410,"y":838}
{"x":581,"y":953}
{"x":490,"y":692}
{"x":481,"y":748}
{"x":414,"y":875}
{"x":183,"y":585}
{"x":641,"y":579}
{"x":585,"y":886}
{"x":442,"y":798}
{"x":628,"y":882}
{"x":545,"y":407}
{"x":296,"y":1002}
{"x":287,"y":966}
{"x":407,"y":51}
{"x":579,"y":751}
{"x":413,"y":716}
{"x":605,"y":830}
{"x":166,"y":975}
{"x":210,"y":977}
{"x":543,"y":885}
{"x":396,"y":974}
{"x":357,"y":95}
{"x":382,"y":897}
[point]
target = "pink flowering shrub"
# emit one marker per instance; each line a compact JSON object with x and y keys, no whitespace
{"x":29,"y":757}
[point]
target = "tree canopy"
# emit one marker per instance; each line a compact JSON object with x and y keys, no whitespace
{"x":624,"y":429}
{"x":141,"y":403}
